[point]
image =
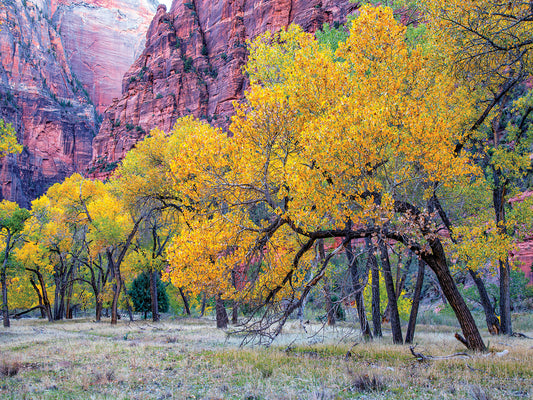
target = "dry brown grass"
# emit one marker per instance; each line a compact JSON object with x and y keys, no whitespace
{"x":190,"y":358}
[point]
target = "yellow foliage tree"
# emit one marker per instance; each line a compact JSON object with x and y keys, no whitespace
{"x":364,"y":135}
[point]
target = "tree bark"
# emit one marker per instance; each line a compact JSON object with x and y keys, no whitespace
{"x":493,"y":324}
{"x":397,"y":336}
{"x":222,"y":315}
{"x":409,"y":336}
{"x":372,"y":265}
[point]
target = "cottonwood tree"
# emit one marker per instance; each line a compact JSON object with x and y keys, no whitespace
{"x":316,"y":150}
{"x":12,"y":219}
{"x":489,"y":44}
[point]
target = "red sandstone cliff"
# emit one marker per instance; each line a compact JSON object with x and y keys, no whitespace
{"x":56,"y":61}
{"x":192,"y":65}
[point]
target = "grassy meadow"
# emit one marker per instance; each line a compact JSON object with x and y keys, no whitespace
{"x":191,"y":359}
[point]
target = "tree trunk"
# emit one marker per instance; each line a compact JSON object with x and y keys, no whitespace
{"x":397,"y":336}
{"x":153,"y":295}
{"x":117,"y":289}
{"x":185,"y":302}
{"x":416,"y":301}
{"x":202,"y":308}
{"x":5,"y":308}
{"x":498,"y":195}
{"x":3,"y":278}
{"x":222,"y":315}
{"x":330,"y":310}
{"x":357,"y":288}
{"x":98,"y":311}
{"x":493,"y":324}
{"x":437,"y":262}
{"x":46,"y":301}
{"x":235,"y":313}
{"x":372,"y":265}
{"x":40,"y":297}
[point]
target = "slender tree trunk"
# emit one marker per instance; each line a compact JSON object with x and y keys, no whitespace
{"x":372,"y":265}
{"x":493,"y":324}
{"x":5,"y":308}
{"x":117,"y":289}
{"x":153,"y":295}
{"x":416,"y":302}
{"x":222,"y":315}
{"x":330,"y":310}
{"x":3,"y":278}
{"x":202,"y":308}
{"x":357,"y":278}
{"x":437,"y":262}
{"x":397,"y":336}
{"x":498,"y":196}
{"x":185,"y":302}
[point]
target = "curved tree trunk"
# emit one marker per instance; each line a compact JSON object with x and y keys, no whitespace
{"x":409,"y":336}
{"x":493,"y":324}
{"x":185,"y":302}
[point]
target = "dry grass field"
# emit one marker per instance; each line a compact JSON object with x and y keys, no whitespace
{"x":191,"y":359}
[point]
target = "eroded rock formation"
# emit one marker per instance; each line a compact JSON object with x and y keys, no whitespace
{"x":57,"y":60}
{"x":192,"y":64}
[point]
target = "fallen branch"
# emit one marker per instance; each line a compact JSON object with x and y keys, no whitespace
{"x":19,"y":314}
{"x":424,"y":358}
{"x":521,"y":335}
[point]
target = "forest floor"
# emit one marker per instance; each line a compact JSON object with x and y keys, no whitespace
{"x":191,"y":359}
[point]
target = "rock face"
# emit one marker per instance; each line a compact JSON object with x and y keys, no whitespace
{"x":192,"y":64}
{"x":49,"y":88}
{"x":102,"y":38}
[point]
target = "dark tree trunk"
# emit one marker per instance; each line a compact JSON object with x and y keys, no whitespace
{"x":330,"y":309}
{"x":117,"y":288}
{"x":498,"y":196}
{"x":153,"y":296}
{"x":222,"y":315}
{"x":416,"y":301}
{"x":185,"y":302}
{"x":397,"y":336}
{"x":437,"y":262}
{"x":3,"y":279}
{"x":372,"y":265}
{"x":493,"y":324}
{"x":358,"y":277}
{"x":235,"y":313}
{"x":98,"y":311}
